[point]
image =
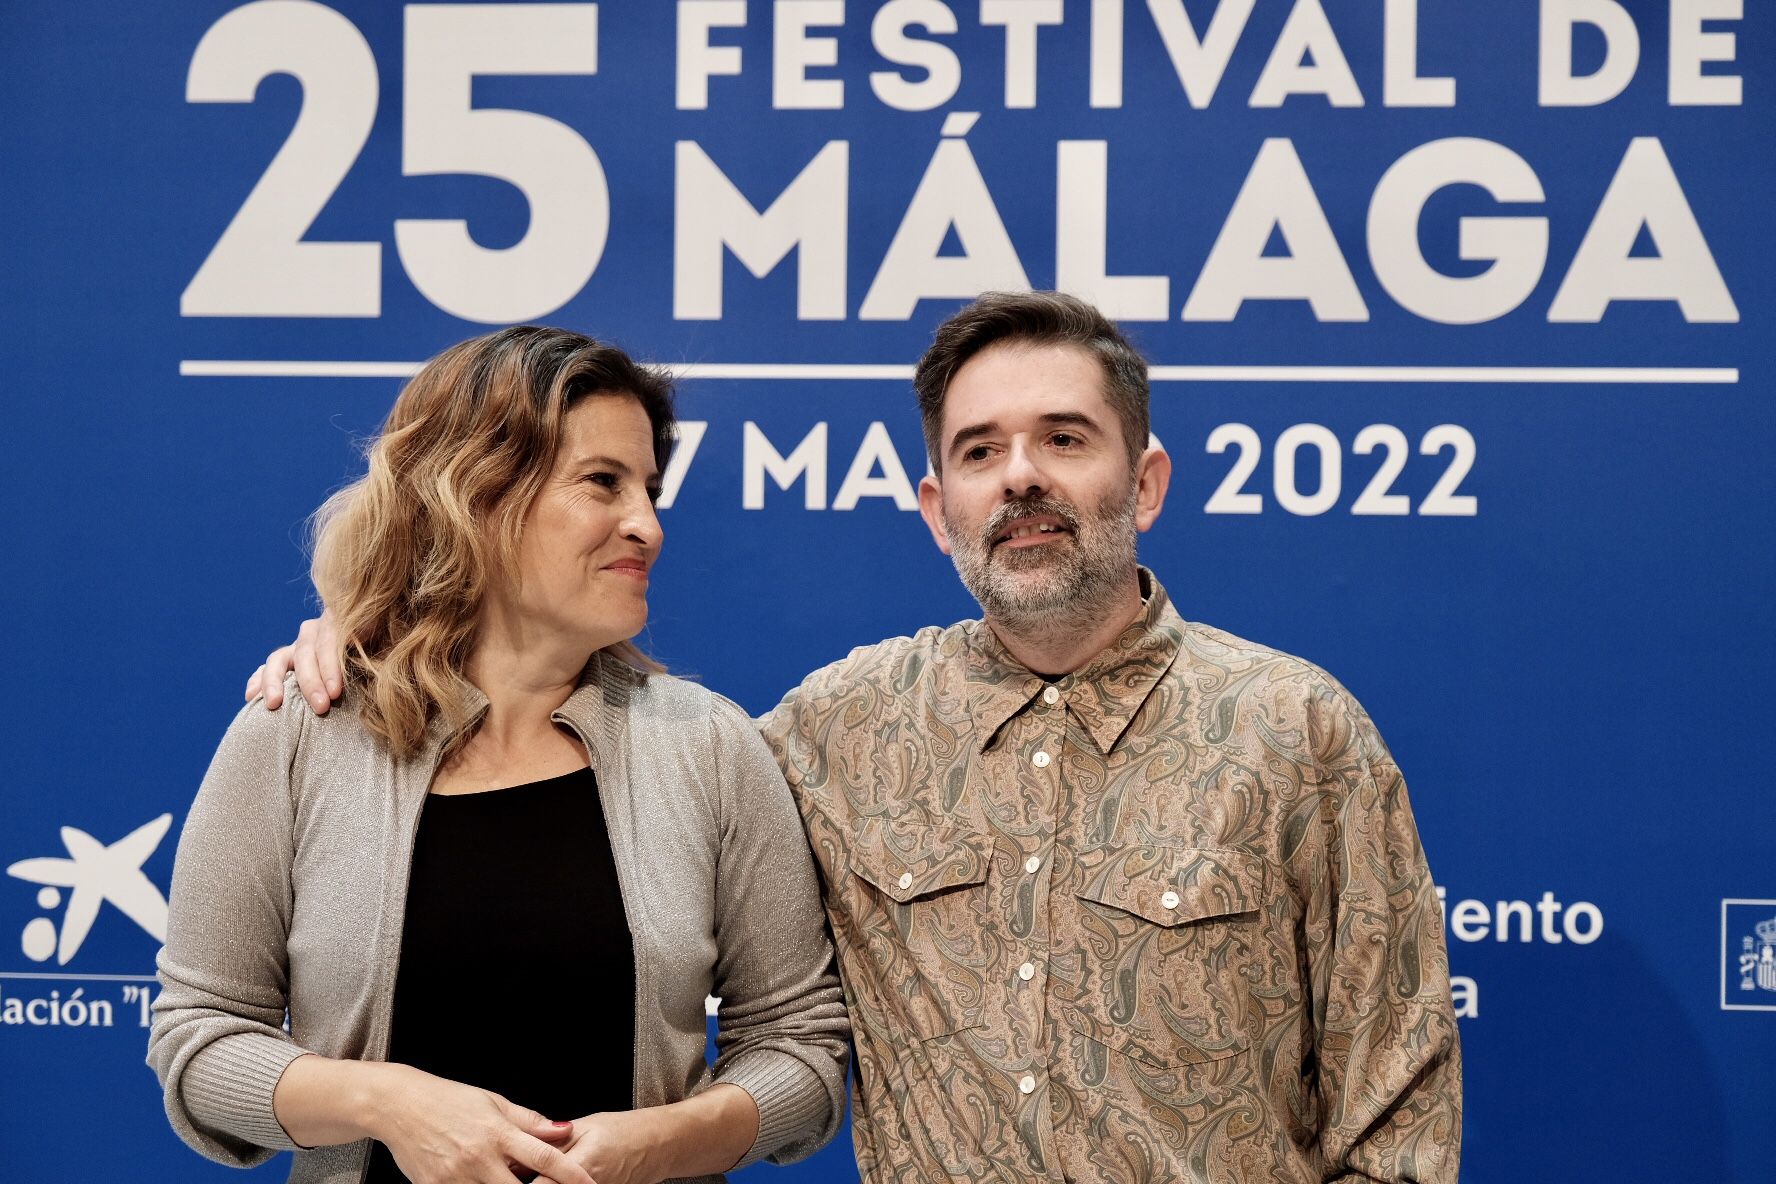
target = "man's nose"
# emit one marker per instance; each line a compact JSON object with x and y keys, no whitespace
{"x":1023,"y":472}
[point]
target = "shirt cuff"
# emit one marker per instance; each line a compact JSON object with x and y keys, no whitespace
{"x":228,"y":1087}
{"x":792,"y":1100}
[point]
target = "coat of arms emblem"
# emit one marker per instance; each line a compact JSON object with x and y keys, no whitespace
{"x":1748,"y":955}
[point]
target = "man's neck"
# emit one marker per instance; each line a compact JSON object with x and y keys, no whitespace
{"x":1067,"y":644}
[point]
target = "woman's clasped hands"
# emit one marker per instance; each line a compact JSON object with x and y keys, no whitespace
{"x":463,"y":1135}
{"x":444,"y":1132}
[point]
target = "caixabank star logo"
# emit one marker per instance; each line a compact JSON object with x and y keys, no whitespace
{"x":1748,"y":955}
{"x":73,"y":891}
{"x":95,"y":874}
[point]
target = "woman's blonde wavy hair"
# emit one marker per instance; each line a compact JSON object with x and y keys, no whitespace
{"x":403,"y":558}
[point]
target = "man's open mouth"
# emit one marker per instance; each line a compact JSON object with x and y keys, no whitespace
{"x":1031,"y":531}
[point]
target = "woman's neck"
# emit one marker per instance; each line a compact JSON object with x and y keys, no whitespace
{"x":523,"y":688}
{"x":525,"y":680}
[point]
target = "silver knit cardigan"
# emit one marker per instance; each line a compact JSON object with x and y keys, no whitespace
{"x":289,"y":894}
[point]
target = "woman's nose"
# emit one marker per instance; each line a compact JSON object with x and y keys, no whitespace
{"x":642,"y":523}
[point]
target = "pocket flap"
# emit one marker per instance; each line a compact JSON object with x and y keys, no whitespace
{"x":907,"y":859}
{"x":1172,"y":886}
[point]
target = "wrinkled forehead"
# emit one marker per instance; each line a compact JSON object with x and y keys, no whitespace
{"x":611,"y":424}
{"x":1012,"y":383}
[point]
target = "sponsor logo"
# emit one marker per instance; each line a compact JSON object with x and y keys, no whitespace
{"x":94,"y":875}
{"x":72,"y":891}
{"x":1748,"y":955}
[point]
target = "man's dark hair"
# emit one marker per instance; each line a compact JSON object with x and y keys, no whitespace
{"x":1032,"y":318}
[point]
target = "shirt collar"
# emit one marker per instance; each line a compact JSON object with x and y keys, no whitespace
{"x":597,"y":709}
{"x":1104,"y":694}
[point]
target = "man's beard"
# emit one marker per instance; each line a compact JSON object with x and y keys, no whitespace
{"x":1070,"y":582}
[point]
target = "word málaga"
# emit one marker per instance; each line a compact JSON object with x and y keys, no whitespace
{"x":953,"y":201}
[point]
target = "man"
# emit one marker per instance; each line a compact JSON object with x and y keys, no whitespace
{"x":1117,"y":896}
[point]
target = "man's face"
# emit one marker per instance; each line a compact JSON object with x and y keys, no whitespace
{"x":1036,"y":499}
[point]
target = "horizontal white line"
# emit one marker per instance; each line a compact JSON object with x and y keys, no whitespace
{"x":199,"y":368}
{"x":202,"y":368}
{"x":857,"y":371}
{"x":1434,"y":374}
{"x":230,"y":369}
{"x":84,"y":978}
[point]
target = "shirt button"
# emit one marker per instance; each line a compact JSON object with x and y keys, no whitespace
{"x":1040,"y":760}
{"x":1027,"y":971}
{"x":1050,"y":695}
{"x":906,"y":881}
{"x":1168,"y":900}
{"x":1033,"y":864}
{"x":1026,"y":1084}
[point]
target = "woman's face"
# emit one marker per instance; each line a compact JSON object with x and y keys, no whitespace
{"x":591,"y":535}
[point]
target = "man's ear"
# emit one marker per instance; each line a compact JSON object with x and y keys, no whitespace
{"x":1153,"y":476}
{"x":931,"y":509}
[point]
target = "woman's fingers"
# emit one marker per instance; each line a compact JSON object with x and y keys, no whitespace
{"x":534,"y":1124}
{"x":551,"y":1132}
{"x":490,"y":1171}
{"x":445,"y":1132}
{"x":314,"y":656}
{"x":529,"y":1152}
{"x":277,"y":665}
{"x":308,"y":671}
{"x":327,"y":642}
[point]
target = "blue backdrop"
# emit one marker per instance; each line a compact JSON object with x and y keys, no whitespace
{"x":1462,"y":324}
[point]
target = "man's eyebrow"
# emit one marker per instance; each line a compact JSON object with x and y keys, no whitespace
{"x":1057,"y":419}
{"x":971,"y":433}
{"x":1052,"y":419}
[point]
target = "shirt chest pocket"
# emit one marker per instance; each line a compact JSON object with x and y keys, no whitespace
{"x":922,"y":921}
{"x":1163,"y":950}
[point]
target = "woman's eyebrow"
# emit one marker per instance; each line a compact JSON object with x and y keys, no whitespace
{"x":621,"y":468}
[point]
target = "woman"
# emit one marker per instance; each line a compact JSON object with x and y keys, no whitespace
{"x":493,"y":887}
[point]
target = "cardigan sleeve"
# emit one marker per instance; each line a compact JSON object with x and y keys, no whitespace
{"x":781,"y":1032}
{"x":218,"y":1042}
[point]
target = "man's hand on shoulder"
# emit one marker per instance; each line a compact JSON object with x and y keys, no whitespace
{"x":314,"y":656}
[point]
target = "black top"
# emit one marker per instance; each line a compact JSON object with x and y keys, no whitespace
{"x":517,"y":974}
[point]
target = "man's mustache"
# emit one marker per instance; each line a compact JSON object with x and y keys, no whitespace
{"x":1011,"y":511}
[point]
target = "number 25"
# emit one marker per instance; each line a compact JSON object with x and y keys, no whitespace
{"x":261,"y":267}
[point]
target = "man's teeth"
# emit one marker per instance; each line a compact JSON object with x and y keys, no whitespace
{"x":1026,"y":531}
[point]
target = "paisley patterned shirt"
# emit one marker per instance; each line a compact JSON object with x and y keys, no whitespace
{"x":1164,"y":919}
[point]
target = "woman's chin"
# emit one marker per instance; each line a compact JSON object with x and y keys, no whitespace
{"x":617,"y":628}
